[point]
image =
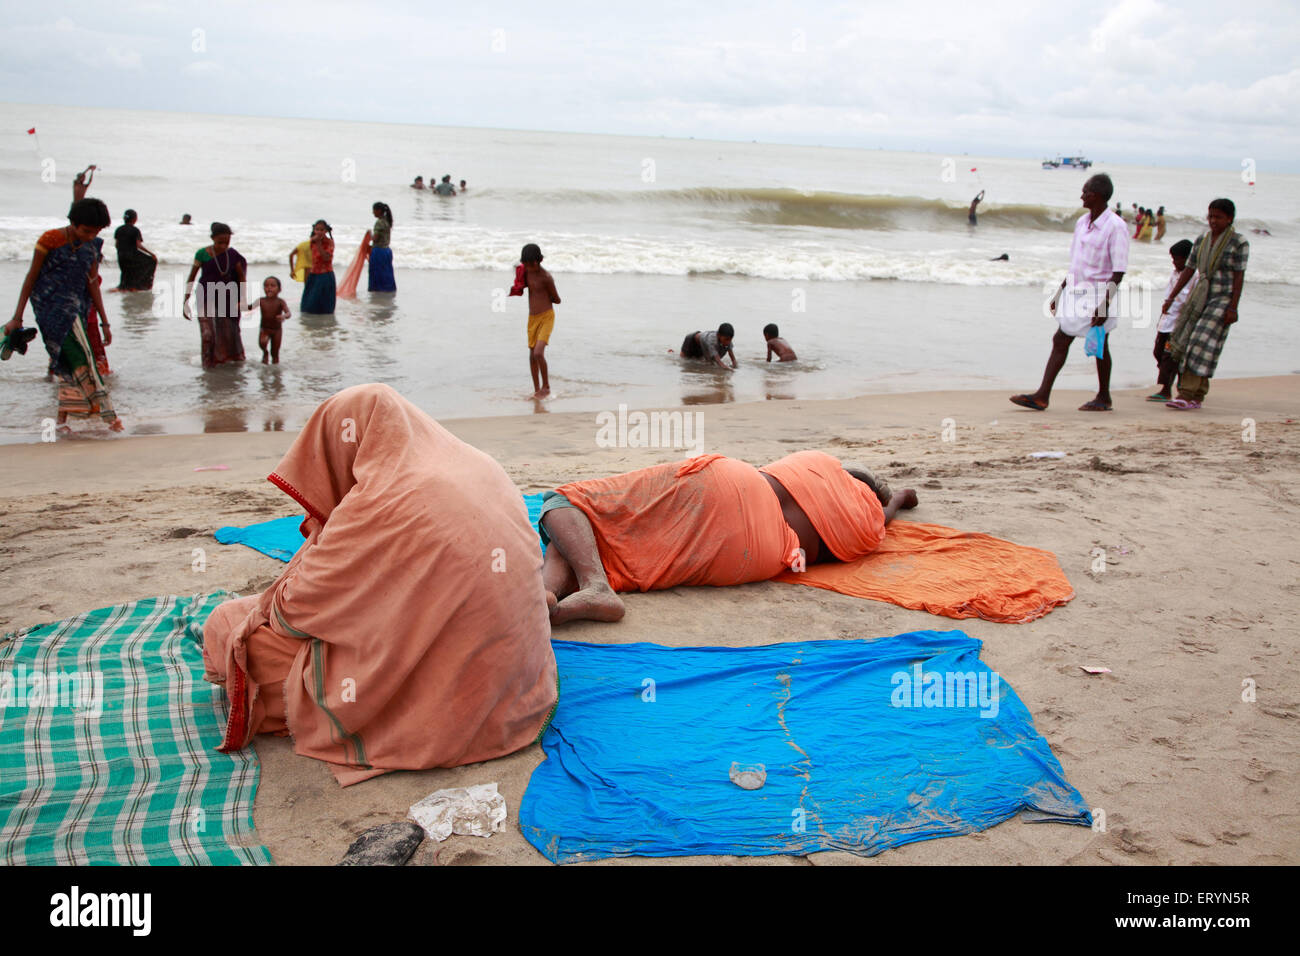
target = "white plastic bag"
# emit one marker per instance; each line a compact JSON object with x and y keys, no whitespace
{"x":467,"y":811}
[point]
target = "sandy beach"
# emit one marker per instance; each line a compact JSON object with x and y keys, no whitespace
{"x":1196,"y":516}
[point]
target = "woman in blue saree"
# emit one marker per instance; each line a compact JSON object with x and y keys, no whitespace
{"x":61,"y":285}
{"x":381,"y":256}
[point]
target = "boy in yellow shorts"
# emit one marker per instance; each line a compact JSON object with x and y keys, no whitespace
{"x":541,"y":317}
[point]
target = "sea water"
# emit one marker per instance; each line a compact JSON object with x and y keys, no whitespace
{"x":864,"y":258}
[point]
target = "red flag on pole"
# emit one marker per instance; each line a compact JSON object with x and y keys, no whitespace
{"x":32,"y":131}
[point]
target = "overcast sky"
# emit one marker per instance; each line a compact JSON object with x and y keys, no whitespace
{"x":1198,"y":84}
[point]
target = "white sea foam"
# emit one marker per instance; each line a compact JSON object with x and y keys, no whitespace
{"x":267,"y":247}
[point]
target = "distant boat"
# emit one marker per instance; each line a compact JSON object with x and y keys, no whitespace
{"x":1071,"y":162}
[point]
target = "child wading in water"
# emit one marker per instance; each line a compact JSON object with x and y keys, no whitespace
{"x":541,"y":317}
{"x":776,"y":345}
{"x":711,"y":346}
{"x":274,"y":311}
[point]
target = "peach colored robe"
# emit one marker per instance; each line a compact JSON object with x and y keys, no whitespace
{"x":707,"y":520}
{"x":410,"y":630}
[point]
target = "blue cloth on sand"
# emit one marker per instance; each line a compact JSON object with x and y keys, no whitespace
{"x":639,"y":752}
{"x":281,"y":539}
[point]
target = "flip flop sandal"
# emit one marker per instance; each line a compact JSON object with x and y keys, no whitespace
{"x":1027,"y":401}
{"x":1182,"y":405}
{"x":1157,"y":397}
{"x":16,"y":342}
{"x":1094,"y":406}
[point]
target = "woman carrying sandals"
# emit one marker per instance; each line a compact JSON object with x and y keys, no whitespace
{"x":62,"y":285}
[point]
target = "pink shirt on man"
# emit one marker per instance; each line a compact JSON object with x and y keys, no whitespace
{"x":1099,"y":250}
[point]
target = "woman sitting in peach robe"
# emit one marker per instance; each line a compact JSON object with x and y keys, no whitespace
{"x":410,"y":630}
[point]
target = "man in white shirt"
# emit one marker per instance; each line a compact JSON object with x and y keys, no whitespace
{"x":1098,"y":261}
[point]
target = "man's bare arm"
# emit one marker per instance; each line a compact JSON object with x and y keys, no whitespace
{"x":1103,"y":307}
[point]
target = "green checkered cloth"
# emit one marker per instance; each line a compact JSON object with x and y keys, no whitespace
{"x":108,"y":737}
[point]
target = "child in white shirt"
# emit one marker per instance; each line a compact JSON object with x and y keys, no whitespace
{"x":1166,"y":367}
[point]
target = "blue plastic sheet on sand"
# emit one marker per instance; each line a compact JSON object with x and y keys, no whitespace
{"x":281,"y":539}
{"x":867,"y":745}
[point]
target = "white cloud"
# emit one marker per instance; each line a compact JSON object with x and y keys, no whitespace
{"x":1137,"y":77}
{"x":124,"y":59}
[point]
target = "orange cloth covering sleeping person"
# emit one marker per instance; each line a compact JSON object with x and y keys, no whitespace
{"x":846,"y":513}
{"x":410,"y":630}
{"x":715,"y":521}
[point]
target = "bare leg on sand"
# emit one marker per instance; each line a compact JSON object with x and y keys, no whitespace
{"x":573,"y":575}
{"x":1055,"y":362}
{"x":537,"y":365}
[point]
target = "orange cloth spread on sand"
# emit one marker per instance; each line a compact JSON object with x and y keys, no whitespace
{"x":707,"y":520}
{"x":846,"y":513}
{"x":410,"y":630}
{"x":957,"y":574}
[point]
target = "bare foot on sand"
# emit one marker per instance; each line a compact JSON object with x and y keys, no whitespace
{"x":591,"y":604}
{"x":542,"y":393}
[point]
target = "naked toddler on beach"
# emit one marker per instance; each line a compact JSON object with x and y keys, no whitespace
{"x":274,"y":311}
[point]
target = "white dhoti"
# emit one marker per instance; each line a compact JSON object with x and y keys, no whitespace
{"x":1077,"y":306}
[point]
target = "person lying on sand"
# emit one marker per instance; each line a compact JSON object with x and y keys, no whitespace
{"x":709,"y":520}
